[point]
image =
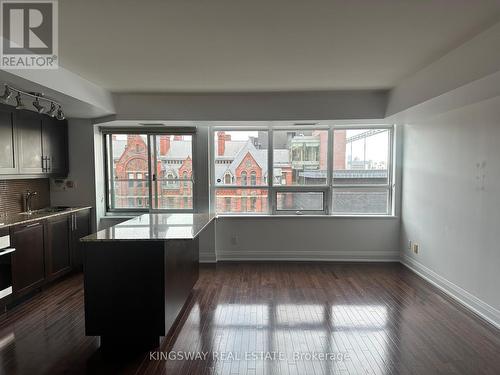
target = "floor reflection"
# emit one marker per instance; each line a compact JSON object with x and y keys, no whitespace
{"x":290,"y":338}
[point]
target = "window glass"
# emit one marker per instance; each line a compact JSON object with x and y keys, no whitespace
{"x":174,"y":168}
{"x":361,"y":156}
{"x":299,"y":201}
{"x":241,"y":200}
{"x":300,"y":157}
{"x":128,"y":162}
{"x":240,"y":158}
{"x":361,"y":201}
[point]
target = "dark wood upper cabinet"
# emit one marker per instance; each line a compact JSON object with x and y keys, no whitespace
{"x":8,"y":147}
{"x":29,"y":130}
{"x":57,"y":246}
{"x":28,"y":263}
{"x":32,"y":144}
{"x":54,"y":146}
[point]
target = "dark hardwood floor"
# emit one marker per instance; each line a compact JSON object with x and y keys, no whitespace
{"x":270,"y":318}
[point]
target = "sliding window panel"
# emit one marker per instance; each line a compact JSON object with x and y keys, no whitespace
{"x":240,"y":158}
{"x":241,"y":201}
{"x":300,"y":157}
{"x":361,"y":156}
{"x":128,"y":179}
{"x":173,"y":171}
{"x":361,"y":201}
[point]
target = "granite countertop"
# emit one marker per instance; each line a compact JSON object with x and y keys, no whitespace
{"x":154,"y":227}
{"x":8,"y":220}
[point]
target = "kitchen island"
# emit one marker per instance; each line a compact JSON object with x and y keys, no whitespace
{"x":138,"y":276}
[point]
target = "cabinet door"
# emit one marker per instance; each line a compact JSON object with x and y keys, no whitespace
{"x":81,"y":228}
{"x":28,"y":265}
{"x":54,"y":145}
{"x":57,"y":246}
{"x":8,"y":162}
{"x":29,"y":129}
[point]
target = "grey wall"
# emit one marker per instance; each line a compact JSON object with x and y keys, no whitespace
{"x":307,"y":238}
{"x":451,"y":200}
{"x":322,"y":105}
{"x":81,"y":168}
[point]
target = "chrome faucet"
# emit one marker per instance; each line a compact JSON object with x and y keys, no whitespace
{"x":29,"y":196}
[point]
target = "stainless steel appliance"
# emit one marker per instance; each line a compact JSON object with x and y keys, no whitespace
{"x":6,"y":252}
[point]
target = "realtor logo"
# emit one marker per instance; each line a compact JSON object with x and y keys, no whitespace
{"x":29,"y":34}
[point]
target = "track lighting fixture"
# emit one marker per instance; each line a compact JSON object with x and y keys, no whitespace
{"x":6,"y":94}
{"x":19,"y":101}
{"x":39,"y":108}
{"x":55,"y":109}
{"x":52,"y":110}
{"x":60,"y":114}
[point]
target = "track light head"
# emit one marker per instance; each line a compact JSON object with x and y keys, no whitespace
{"x":40,"y":108}
{"x":52,"y":111}
{"x":6,"y":95}
{"x":19,"y":102}
{"x":60,"y":114}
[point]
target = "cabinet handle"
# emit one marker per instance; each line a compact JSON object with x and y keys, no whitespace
{"x":48,"y":164}
{"x":31,"y":225}
{"x":43,"y":163}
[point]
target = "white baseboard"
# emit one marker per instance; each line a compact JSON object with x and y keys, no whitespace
{"x":476,"y":305}
{"x":207,"y":257}
{"x":309,"y":255}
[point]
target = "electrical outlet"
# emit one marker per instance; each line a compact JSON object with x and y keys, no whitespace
{"x":415,"y":248}
{"x":234,"y":240}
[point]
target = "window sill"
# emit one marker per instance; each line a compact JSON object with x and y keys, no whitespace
{"x":121,"y":215}
{"x":131,"y":215}
{"x":251,"y":216}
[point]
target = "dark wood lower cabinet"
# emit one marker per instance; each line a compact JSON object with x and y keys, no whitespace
{"x":28,"y":264}
{"x":81,"y":228}
{"x":46,"y":250}
{"x":57,"y":246}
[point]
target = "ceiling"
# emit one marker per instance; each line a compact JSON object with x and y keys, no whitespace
{"x":261,"y":45}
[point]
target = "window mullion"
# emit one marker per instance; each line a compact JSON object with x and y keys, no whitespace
{"x":150,"y":175}
{"x":271,"y":199}
{"x":331,"y":154}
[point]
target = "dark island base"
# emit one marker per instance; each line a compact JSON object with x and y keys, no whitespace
{"x":135,"y":291}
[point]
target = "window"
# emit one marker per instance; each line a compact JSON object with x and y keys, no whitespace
{"x":240,"y":171}
{"x":130,"y":180}
{"x":330,"y":169}
{"x":253,"y":178}
{"x":131,"y":185}
{"x":300,"y":157}
{"x":361,"y":171}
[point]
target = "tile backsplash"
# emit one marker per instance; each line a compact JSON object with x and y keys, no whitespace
{"x":12,"y":194}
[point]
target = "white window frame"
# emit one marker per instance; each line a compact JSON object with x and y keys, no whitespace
{"x":327,"y":189}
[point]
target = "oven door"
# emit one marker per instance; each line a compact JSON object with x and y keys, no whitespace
{"x":6,"y":271}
